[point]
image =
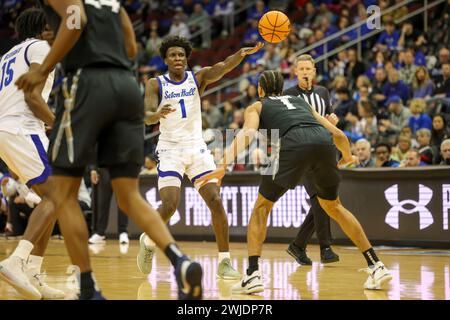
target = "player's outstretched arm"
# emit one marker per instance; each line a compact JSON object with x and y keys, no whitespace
{"x":128,"y":34}
{"x":70,"y":29}
{"x":214,"y":73}
{"x":245,"y":136}
{"x":37,"y":104}
{"x":242,"y":140}
{"x":152,"y":113}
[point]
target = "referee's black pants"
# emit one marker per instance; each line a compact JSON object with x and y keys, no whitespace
{"x":316,"y":220}
{"x":103,"y":198}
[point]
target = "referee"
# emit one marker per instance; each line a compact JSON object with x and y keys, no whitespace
{"x":317,"y":220}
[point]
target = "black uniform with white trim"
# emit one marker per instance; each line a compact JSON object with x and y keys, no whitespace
{"x":107,"y":116}
{"x":317,"y":219}
{"x":305,"y":146}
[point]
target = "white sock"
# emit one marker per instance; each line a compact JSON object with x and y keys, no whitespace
{"x":23,"y":249}
{"x":35,"y":263}
{"x":223,"y":255}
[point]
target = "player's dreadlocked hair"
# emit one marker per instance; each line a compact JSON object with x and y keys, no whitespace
{"x":30,"y":23}
{"x":272,"y":82}
{"x":175,"y":41}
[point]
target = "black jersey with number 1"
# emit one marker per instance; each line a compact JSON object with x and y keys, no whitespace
{"x":286,"y":112}
{"x":102,"y":41}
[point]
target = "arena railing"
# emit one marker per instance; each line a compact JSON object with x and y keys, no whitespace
{"x":358,"y":41}
{"x":207,"y":24}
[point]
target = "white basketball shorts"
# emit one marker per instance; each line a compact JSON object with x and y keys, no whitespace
{"x":26,"y":156}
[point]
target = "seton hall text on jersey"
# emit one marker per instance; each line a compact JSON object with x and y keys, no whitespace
{"x":183,"y":93}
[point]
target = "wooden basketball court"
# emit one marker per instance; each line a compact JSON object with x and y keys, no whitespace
{"x":418,"y":274}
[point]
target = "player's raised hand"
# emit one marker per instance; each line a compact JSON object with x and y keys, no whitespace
{"x":28,"y":81}
{"x":248,"y":51}
{"x":348,"y":163}
{"x":165,"y":110}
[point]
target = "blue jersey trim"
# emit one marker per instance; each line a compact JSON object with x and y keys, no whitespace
{"x":200,"y":175}
{"x":43,"y":155}
{"x":160,"y":90}
{"x":195,"y":79}
{"x":163,"y":174}
{"x":26,"y":51}
{"x":177,"y":83}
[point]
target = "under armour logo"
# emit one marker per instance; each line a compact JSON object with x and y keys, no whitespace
{"x":425,"y":216}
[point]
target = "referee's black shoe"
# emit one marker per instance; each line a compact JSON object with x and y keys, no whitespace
{"x":327,"y":255}
{"x":299,"y":254}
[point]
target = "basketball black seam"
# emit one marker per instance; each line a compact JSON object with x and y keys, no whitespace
{"x":267,"y":17}
{"x":276,"y":36}
{"x":283,"y":23}
{"x":270,"y":30}
{"x":273,"y":32}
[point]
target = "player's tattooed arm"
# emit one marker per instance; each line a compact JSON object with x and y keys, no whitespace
{"x":37,"y":104}
{"x":152,"y":113}
{"x":214,"y":73}
{"x":65,"y":40}
{"x":128,"y":34}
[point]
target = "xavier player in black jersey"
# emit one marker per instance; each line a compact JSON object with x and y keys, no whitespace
{"x":99,"y":122}
{"x":317,"y":220}
{"x":305,"y":145}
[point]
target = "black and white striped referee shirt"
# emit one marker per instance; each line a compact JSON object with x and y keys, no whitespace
{"x":318,"y":97}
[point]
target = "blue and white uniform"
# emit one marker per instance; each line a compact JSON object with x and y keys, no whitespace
{"x":23,"y":143}
{"x":181,"y":148}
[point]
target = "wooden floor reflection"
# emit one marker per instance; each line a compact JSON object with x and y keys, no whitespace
{"x":418,"y":274}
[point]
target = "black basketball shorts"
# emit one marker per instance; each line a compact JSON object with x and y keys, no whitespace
{"x":107,"y":124}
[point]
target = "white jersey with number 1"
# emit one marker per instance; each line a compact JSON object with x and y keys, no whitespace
{"x":184,"y":126}
{"x":181,"y":148}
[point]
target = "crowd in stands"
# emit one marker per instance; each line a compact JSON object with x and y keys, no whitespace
{"x":394,"y":93}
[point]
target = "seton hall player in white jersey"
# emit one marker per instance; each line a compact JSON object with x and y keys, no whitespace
{"x":173,"y":99}
{"x":23,"y":146}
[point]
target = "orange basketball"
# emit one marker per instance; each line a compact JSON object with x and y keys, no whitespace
{"x":274,"y":26}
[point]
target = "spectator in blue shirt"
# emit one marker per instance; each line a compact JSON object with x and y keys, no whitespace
{"x":326,"y":27}
{"x":346,"y":37}
{"x":422,"y":86}
{"x":379,"y":63}
{"x":209,"y":6}
{"x":388,"y":38}
{"x":252,"y":36}
{"x":258,"y":11}
{"x":395,"y":87}
{"x":419,"y":119}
